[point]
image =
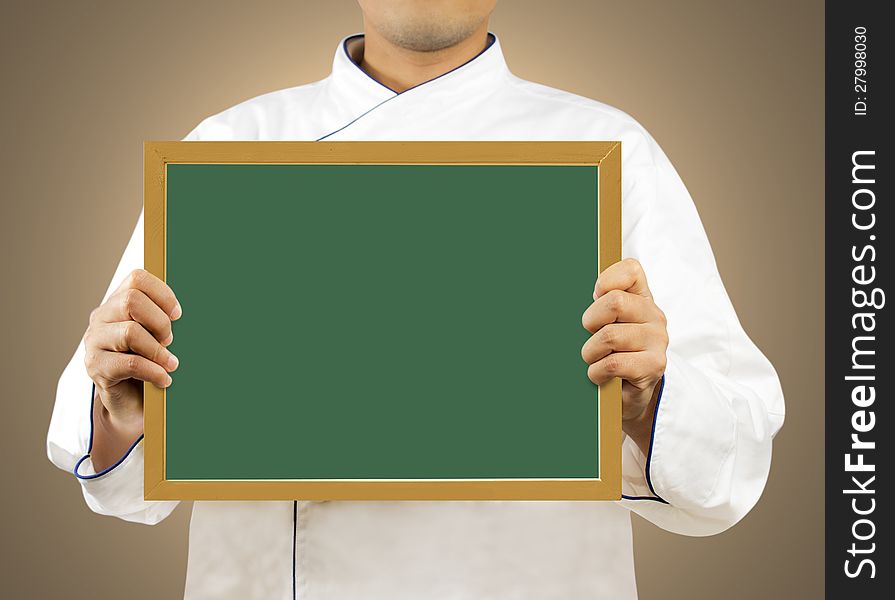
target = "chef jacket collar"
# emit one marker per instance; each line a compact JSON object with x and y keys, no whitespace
{"x":355,"y":88}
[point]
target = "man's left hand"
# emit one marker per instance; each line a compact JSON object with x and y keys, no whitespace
{"x":629,"y":341}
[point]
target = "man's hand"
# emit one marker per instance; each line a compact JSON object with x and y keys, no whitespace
{"x":125,"y":345}
{"x":629,"y":341}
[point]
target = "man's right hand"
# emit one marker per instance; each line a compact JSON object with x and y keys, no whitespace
{"x":126,"y":344}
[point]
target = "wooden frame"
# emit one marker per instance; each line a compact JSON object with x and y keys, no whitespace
{"x":604,"y":155}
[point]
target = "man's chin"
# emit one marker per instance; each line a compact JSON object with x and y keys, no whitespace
{"x":428,"y":37}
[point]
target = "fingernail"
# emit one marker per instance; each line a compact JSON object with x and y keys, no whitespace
{"x":168,"y":340}
{"x":167,"y":380}
{"x":172,"y":362}
{"x":175,"y":314}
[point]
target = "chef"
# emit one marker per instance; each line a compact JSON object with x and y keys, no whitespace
{"x":701,"y":403}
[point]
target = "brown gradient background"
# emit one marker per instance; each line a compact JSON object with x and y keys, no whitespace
{"x":731,"y":90}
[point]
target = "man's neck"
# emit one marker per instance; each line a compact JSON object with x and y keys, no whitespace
{"x":400,"y":69}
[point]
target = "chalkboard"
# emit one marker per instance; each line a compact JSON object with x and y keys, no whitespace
{"x":381,"y":320}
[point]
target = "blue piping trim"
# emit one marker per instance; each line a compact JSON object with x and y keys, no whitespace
{"x":654,"y":499}
{"x":90,"y":446}
{"x":491,"y":39}
{"x":360,"y":116}
{"x":652,"y":438}
{"x":294,"y":536}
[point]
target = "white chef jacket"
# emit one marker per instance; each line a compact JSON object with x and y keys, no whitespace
{"x":710,"y":450}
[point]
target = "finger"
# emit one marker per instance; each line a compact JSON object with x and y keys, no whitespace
{"x":156,"y":289}
{"x":130,"y":336}
{"x":638,"y":368}
{"x":626,"y":275}
{"x":114,"y":367}
{"x":618,"y":306}
{"x":133,"y":305}
{"x":616,"y":337}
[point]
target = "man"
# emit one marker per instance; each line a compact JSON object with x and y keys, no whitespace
{"x":700,"y":402}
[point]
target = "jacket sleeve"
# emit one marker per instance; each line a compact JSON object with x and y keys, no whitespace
{"x":118,"y":489}
{"x":720,"y":403}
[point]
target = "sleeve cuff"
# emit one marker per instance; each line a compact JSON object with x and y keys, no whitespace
{"x":639,"y":482}
{"x":692,"y":438}
{"x":118,"y":489}
{"x":83,"y":469}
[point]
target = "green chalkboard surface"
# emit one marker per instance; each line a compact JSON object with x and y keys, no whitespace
{"x":369,"y":322}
